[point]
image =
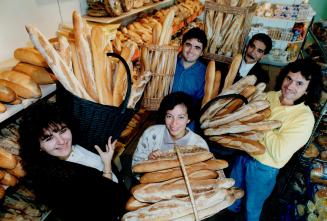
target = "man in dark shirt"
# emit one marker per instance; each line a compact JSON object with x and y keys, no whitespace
{"x":259,"y":45}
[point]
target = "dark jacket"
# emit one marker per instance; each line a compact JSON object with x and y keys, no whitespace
{"x":257,"y":70}
{"x":77,"y":192}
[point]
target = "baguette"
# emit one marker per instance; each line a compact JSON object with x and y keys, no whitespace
{"x":32,"y":89}
{"x":239,"y":143}
{"x":30,"y":56}
{"x":133,"y":204}
{"x":259,"y":116}
{"x":240,"y":127}
{"x":251,"y":135}
{"x":39,"y":74}
{"x":246,"y":110}
{"x":170,"y":160}
{"x":163,"y":175}
{"x":138,"y":88}
{"x":156,"y":32}
{"x":7,"y":94}
{"x":233,"y":70}
{"x":18,"y":171}
{"x":7,"y":160}
{"x":209,"y":82}
{"x":155,"y":192}
{"x":216,"y":85}
{"x":166,"y":27}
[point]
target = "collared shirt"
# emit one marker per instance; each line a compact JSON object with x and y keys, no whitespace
{"x":84,"y":157}
{"x":190,"y":80}
{"x":245,"y":68}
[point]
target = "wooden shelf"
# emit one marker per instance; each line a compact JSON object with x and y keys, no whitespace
{"x":108,"y":20}
{"x":14,"y":109}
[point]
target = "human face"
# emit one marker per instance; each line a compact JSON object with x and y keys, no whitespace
{"x":192,"y":50}
{"x":254,"y":52}
{"x":294,"y":86}
{"x":176,"y":121}
{"x":57,"y":141}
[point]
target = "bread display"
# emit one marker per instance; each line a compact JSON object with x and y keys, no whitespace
{"x":30,"y":56}
{"x":164,"y":193}
{"x":39,"y":74}
{"x":232,"y":123}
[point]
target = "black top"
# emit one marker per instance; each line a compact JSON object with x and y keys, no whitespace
{"x":257,"y":70}
{"x":77,"y":192}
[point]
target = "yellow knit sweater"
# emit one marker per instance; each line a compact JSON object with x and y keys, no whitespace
{"x":282,"y":143}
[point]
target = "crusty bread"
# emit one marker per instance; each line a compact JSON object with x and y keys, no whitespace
{"x":39,"y":74}
{"x":155,"y":192}
{"x":7,"y":94}
{"x":163,"y":175}
{"x":133,"y":204}
{"x":7,"y":160}
{"x":30,"y":56}
{"x":209,"y":82}
{"x":216,"y":85}
{"x":233,"y":70}
{"x":32,"y":89}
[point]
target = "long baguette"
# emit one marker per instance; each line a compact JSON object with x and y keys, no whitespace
{"x":133,"y":204}
{"x":239,"y":143}
{"x":209,"y":82}
{"x":239,"y":128}
{"x":190,"y":156}
{"x":251,"y":135}
{"x":261,"y":115}
{"x":138,"y":88}
{"x":244,"y":111}
{"x":216,"y":85}
{"x":155,"y":192}
{"x":233,"y":70}
{"x":163,"y":175}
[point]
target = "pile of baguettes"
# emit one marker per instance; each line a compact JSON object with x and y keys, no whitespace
{"x":224,"y":30}
{"x":229,"y":121}
{"x":11,"y":170}
{"x":163,"y":195}
{"x":82,"y":66}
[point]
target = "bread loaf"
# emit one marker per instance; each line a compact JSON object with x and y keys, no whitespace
{"x":7,"y":94}
{"x":133,"y":204}
{"x":7,"y":160}
{"x":29,"y":88}
{"x":190,"y":155}
{"x":30,"y":56}
{"x":209,"y":82}
{"x":155,"y":192}
{"x":18,"y":171}
{"x":168,"y":174}
{"x":216,"y":84}
{"x":259,"y":116}
{"x":250,"y":146}
{"x":9,"y":180}
{"x":233,"y":70}
{"x":39,"y":74}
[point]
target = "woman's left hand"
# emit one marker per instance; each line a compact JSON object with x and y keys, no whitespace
{"x":106,"y":156}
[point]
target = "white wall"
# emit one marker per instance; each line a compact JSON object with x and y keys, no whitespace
{"x":44,"y":14}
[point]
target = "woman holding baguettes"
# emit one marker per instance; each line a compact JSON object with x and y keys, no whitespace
{"x":76,"y":183}
{"x":175,"y":112}
{"x":299,"y":86}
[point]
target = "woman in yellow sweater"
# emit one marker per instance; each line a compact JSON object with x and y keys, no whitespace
{"x":299,"y":87}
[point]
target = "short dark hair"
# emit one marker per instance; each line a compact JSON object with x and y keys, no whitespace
{"x":264,"y":39}
{"x":198,"y":34}
{"x":171,"y":100}
{"x":310,"y":70}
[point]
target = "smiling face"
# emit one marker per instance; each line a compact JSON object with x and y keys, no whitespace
{"x":57,"y":141}
{"x":293,"y":87}
{"x":192,"y":50}
{"x":176,"y":121}
{"x":254,"y":52}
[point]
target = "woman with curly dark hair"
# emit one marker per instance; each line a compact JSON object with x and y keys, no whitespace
{"x":76,"y":183}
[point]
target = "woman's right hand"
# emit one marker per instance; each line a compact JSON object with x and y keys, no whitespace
{"x":155,"y":155}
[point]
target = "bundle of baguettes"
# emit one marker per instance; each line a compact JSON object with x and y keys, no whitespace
{"x":11,"y":170}
{"x":229,"y":121}
{"x":163,"y":194}
{"x":83,"y":67}
{"x":225,"y":29}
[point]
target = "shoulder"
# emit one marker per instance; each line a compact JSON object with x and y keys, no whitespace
{"x":197,"y":140}
{"x":155,"y":129}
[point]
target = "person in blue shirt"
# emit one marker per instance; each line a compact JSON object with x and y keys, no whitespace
{"x":190,"y":71}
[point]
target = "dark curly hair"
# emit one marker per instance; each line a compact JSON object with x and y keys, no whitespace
{"x":310,"y":70}
{"x":198,"y":34}
{"x":39,"y":117}
{"x":171,"y":100}
{"x":263,"y":38}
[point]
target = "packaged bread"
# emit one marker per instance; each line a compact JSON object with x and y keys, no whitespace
{"x":30,"y":56}
{"x":39,"y":74}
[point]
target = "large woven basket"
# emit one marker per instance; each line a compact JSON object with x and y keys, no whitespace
{"x":162,"y":60}
{"x":92,"y":122}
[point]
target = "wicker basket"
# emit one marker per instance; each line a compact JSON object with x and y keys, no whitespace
{"x":162,"y":63}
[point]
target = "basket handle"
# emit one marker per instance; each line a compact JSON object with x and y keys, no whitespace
{"x":129,"y":80}
{"x":237,"y":96}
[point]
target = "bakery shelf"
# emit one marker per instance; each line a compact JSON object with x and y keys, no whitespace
{"x":282,"y":19}
{"x":108,"y":20}
{"x":14,"y":109}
